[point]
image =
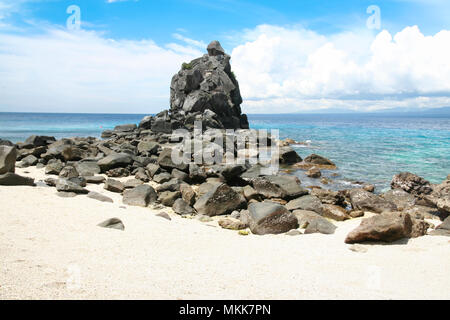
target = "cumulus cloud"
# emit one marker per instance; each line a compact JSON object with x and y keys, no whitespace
{"x":62,"y":71}
{"x":296,"y":69}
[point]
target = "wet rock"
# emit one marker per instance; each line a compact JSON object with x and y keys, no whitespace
{"x":140,"y":196}
{"x":8,"y":157}
{"x":221,"y":199}
{"x":308,"y":202}
{"x":288,"y":156}
{"x":99,"y":197}
{"x":114,"y":186}
{"x":270,"y":218}
{"x":284,"y":187}
{"x":411,"y":183}
{"x":113,"y":223}
{"x":12,"y":179}
{"x":313,"y":173}
{"x":366,"y":201}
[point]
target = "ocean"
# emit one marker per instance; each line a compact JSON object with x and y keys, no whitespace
{"x":366,"y":147}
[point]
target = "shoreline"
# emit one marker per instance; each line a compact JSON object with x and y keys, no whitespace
{"x":46,"y":238}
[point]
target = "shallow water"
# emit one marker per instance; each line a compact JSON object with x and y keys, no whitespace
{"x":365,"y":147}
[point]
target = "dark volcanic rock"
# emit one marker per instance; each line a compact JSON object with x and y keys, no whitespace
{"x":367,"y":201}
{"x":12,"y":179}
{"x":64,"y":185}
{"x":165,"y":161}
{"x":411,"y":183}
{"x":115,"y":160}
{"x":307,"y":202}
{"x":289,"y":156}
{"x":284,"y":187}
{"x":221,"y":199}
{"x":8,"y":157}
{"x":205,"y":89}
{"x":270,"y":218}
{"x":38,"y":141}
{"x":54,"y":166}
{"x":114,"y":186}
{"x":140,"y":196}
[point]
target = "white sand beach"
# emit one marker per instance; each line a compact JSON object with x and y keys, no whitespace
{"x":52,"y":248}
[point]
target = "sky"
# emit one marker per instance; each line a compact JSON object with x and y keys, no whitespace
{"x":288,"y":56}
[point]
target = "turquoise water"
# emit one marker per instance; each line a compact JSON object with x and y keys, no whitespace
{"x":366,"y":147}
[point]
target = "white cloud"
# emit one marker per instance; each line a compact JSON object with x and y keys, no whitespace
{"x":296,"y":69}
{"x":84,"y":72}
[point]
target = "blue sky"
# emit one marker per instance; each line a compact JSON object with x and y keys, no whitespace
{"x":128,"y":51}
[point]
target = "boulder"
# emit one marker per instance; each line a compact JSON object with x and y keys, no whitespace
{"x":282,"y":186}
{"x":149,"y":147}
{"x":140,"y":196}
{"x":162,"y":177}
{"x":95,"y":179}
{"x":220,"y":200}
{"x":167,"y":198}
{"x":153,"y":169}
{"x":72,"y":153}
{"x":402,"y":199}
{"x":314,"y":173}
{"x":54,"y":166}
{"x":367,"y":201}
{"x":307,"y":202}
{"x":38,"y":141}
{"x":270,"y":218}
{"x":114,"y":186}
{"x":334,"y":212}
{"x":313,"y":222}
{"x":68,"y":172}
{"x":12,"y":179}
{"x":165,"y":161}
{"x":384,"y":227}
{"x":87,"y":168}
{"x":65,"y":185}
{"x":288,"y":156}
{"x":28,"y":161}
{"x":411,"y":183}
{"x":187,"y":193}
{"x":182,"y":208}
{"x":319,"y":160}
{"x":115,"y":160}
{"x":329,"y":196}
{"x":126,"y":127}
{"x":8,"y":157}
{"x":132,"y":183}
{"x":113,"y":223}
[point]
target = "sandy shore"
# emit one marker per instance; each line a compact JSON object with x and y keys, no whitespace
{"x":51,"y":248}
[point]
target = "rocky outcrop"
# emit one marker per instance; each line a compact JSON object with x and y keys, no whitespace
{"x":270,"y":218}
{"x":411,"y":183}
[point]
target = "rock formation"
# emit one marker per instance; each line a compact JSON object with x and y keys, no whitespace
{"x":205,"y":90}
